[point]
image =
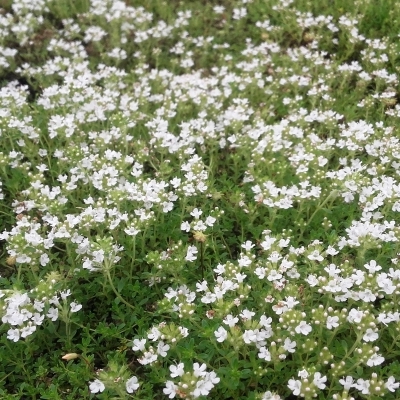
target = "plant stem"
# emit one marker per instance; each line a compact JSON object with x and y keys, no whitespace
{"x":107,"y":270}
{"x":133,"y":258}
{"x":332,"y":194}
{"x":202,"y":260}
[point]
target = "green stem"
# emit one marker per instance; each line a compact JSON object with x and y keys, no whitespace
{"x":394,"y":343}
{"x":332,"y":337}
{"x":68,"y":333}
{"x":133,"y":257}
{"x":202,"y":260}
{"x":107,"y":271}
{"x":332,"y":194}
{"x":226,"y":245}
{"x":353,"y":366}
{"x":19,"y":272}
{"x":355,"y":345}
{"x":144,"y":238}
{"x":272,"y":216}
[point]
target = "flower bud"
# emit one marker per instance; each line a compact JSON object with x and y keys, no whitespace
{"x":70,"y":356}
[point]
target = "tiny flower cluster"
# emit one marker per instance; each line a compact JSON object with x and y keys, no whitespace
{"x":192,"y":384}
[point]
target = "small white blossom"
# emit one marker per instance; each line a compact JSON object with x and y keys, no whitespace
{"x":319,"y":380}
{"x":347,"y":383}
{"x":132,"y":384}
{"x":375,"y":359}
{"x":170,"y":389}
{"x":96,"y":386}
{"x":176,"y":370}
{"x":370,"y":335}
{"x":391,"y":384}
{"x":75,"y":307}
{"x":289,"y":345}
{"x":303,"y":328}
{"x":221,"y":334}
{"x":332,"y":322}
{"x":294,"y":386}
{"x":230,"y":320}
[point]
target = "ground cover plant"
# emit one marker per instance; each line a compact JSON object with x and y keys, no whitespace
{"x":199,"y":199}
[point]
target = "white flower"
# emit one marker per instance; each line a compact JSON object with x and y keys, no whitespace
{"x":183,"y":331}
{"x":75,"y":307}
{"x":244,"y":261}
{"x":44,"y":260}
{"x":210,"y":221}
{"x":199,"y":370}
{"x":148,"y":358}
{"x":264,"y":354}
{"x":270,"y":396}
{"x":331,"y":251}
{"x":199,"y":226}
{"x":372,"y":267}
{"x":132,"y":384}
{"x":154,"y":334}
{"x":131,"y":231}
{"x":250,"y":336}
{"x":319,"y":380}
{"x":196,"y":213}
{"x":280,"y":307}
{"x":332,"y":322}
{"x":375,"y":359}
{"x":202,"y":388}
{"x":303,"y":328}
{"x":201,"y":286}
{"x":362,"y":385}
{"x":176,"y":370}
{"x":191,"y":253}
{"x":315,"y":256}
{"x":96,"y":386}
{"x":230,"y":320}
{"x":247,"y":245}
{"x":162,"y":348}
{"x":38,"y":305}
{"x":219,"y":9}
{"x":185,"y":226}
{"x":212,"y":378}
{"x":291,"y":302}
{"x":385,"y":283}
{"x":37,"y":319}
{"x":294,"y":386}
{"x":208,"y":298}
{"x":274,"y":275}
{"x":312,"y":280}
{"x":221,"y":334}
{"x":13,"y":334}
{"x":138,"y":344}
{"x":170,"y":389}
{"x":391,"y":384}
{"x":247,"y":314}
{"x":370,"y":335}
{"x":303,"y":374}
{"x":289,"y":346}
{"x":27,"y":330}
{"x":52,"y":313}
{"x":347,"y":383}
{"x":355,"y":316}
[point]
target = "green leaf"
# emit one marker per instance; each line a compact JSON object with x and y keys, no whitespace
{"x":121,"y":284}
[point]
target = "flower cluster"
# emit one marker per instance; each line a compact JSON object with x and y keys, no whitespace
{"x":198,"y":382}
{"x":25,"y":311}
{"x":164,"y":335}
